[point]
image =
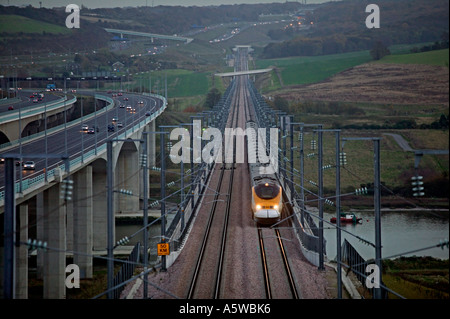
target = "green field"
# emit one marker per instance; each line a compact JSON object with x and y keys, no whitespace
{"x":437,"y":57}
{"x":304,"y":70}
{"x":16,"y":24}
{"x":180,"y":83}
{"x":313,"y":69}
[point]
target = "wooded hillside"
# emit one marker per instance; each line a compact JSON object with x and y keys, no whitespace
{"x":340,"y":27}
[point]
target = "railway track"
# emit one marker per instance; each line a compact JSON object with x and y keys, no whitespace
{"x":205,"y":271}
{"x":211,"y":276}
{"x":271,"y":268}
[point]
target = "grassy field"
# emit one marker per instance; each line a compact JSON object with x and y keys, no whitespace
{"x":417,"y":277}
{"x":304,"y":70}
{"x":397,"y":165}
{"x":180,"y":83}
{"x":16,"y":24}
{"x":437,"y":57}
{"x":313,"y":69}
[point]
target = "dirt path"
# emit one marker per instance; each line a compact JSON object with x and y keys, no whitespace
{"x":401,"y":142}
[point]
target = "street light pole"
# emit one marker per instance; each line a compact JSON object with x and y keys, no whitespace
{"x":145,"y":208}
{"x":110,"y":217}
{"x":9,"y":231}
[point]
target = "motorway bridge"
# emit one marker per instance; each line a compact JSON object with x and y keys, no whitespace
{"x":69,"y":153}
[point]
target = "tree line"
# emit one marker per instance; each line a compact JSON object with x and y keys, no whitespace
{"x":340,"y":27}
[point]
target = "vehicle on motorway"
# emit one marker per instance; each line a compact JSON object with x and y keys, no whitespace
{"x":84,"y":127}
{"x":267,"y":199}
{"x":125,"y":99}
{"x":91,"y":130}
{"x":148,"y":114}
{"x":141,"y":102}
{"x":10,"y":108}
{"x":111,"y":128}
{"x":119,"y":124}
{"x":122,"y":106}
{"x":128,"y":107}
{"x":2,"y":160}
{"x":35,"y":101}
{"x":19,"y":162}
{"x":29,"y":165}
{"x":115,"y":119}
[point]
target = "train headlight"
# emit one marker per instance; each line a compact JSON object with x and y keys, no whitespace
{"x":276,"y":206}
{"x":258,"y":207}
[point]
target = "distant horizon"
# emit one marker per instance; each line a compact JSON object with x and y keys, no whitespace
{"x":93,"y":4}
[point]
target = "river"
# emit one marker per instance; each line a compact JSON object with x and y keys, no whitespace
{"x":401,"y":231}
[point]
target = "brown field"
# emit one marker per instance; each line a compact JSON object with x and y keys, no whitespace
{"x":410,"y":84}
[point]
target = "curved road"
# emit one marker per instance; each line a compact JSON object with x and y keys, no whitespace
{"x":79,"y":141}
{"x":26,"y":101}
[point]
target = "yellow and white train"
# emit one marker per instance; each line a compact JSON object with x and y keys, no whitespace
{"x":267,"y":193}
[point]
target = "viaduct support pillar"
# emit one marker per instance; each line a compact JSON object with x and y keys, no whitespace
{"x":22,"y":254}
{"x":99,"y":215}
{"x":151,"y":149}
{"x":54,"y":266}
{"x":82,"y":221}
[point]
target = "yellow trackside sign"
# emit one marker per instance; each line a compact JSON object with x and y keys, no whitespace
{"x":163,"y":249}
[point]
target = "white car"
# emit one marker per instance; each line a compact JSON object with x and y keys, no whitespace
{"x":29,"y":165}
{"x":85,"y":127}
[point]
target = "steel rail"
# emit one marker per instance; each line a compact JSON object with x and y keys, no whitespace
{"x":286,"y":265}
{"x":205,"y":238}
{"x":264,"y":264}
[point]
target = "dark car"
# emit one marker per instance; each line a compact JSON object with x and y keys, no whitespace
{"x":111,"y":128}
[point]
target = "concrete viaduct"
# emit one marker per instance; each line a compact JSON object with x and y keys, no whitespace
{"x":78,"y":224}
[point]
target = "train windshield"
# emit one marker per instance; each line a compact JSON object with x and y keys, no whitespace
{"x":267,"y":191}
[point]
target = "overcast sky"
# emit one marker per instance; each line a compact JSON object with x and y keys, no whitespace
{"x":136,"y":3}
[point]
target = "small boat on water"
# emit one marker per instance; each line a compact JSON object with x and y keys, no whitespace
{"x":347,"y":218}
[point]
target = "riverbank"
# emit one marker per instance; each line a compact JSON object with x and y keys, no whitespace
{"x":417,"y":277}
{"x":395,"y":203}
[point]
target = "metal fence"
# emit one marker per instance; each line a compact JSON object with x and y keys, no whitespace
{"x":127,"y":270}
{"x":357,"y":265}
